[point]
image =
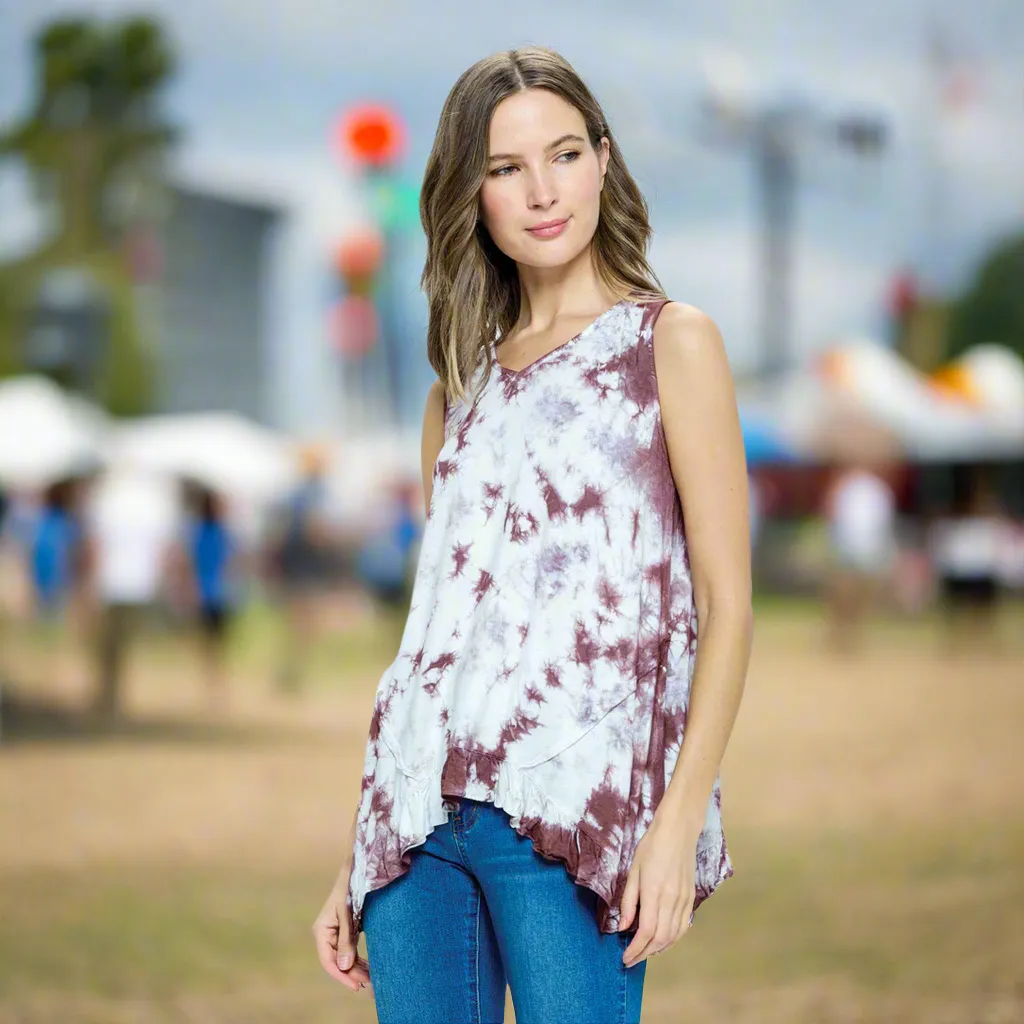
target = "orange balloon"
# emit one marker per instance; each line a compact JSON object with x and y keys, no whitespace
{"x":359,"y":255}
{"x":372,"y":135}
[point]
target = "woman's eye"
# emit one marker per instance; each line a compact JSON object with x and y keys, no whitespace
{"x":568,"y":157}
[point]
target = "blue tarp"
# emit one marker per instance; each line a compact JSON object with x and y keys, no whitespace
{"x":761,"y":442}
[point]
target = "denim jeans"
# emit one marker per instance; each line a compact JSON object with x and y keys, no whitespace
{"x":480,"y":908}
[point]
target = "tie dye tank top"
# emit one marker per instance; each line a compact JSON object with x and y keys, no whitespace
{"x":548,"y":655}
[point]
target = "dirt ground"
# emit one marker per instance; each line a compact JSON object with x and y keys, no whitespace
{"x":169,"y":870}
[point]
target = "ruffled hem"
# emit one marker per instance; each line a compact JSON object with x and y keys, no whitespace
{"x":555,"y":836}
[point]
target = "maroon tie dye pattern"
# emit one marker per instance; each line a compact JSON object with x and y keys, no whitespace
{"x":548,"y":655}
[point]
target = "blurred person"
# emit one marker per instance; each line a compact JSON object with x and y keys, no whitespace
{"x":968,"y":548}
{"x":56,"y":559}
{"x":56,"y":554}
{"x":526,"y":758}
{"x":130,"y":532}
{"x":299,"y":556}
{"x":387,"y":557}
{"x":17,"y":530}
{"x":861,"y":511}
{"x":205,"y":563}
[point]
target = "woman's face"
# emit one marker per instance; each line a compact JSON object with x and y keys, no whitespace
{"x":540,"y":199}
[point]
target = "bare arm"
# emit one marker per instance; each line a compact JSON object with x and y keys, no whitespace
{"x":433,"y":437}
{"x":705,"y":447}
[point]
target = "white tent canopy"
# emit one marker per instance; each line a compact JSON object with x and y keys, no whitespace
{"x":894,"y":408}
{"x":992,"y":377}
{"x":46,"y":435}
{"x":223,"y":451}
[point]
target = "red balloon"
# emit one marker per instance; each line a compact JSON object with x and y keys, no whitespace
{"x":354,"y":326}
{"x":360,"y":255}
{"x":372,"y":135}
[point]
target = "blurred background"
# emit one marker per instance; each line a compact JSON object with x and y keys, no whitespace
{"x":212,"y":379}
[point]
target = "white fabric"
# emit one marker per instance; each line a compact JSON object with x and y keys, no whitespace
{"x":971,"y":547}
{"x":132,"y":523}
{"x":862,"y":520}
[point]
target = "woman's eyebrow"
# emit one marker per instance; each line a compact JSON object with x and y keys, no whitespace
{"x":570,"y":137}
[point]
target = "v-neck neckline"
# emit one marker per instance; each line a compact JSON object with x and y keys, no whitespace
{"x":506,"y":371}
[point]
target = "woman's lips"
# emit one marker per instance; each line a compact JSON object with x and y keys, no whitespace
{"x":550,"y":229}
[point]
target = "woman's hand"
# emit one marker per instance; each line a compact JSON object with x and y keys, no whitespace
{"x":662,"y":877}
{"x":332,"y":930}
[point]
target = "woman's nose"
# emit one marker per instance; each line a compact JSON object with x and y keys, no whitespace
{"x":542,"y":192}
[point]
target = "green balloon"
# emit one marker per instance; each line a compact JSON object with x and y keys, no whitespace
{"x":396,"y":204}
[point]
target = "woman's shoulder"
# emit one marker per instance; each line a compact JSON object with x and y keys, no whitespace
{"x":675,"y":316}
{"x":687,"y":349}
{"x":684,"y":329}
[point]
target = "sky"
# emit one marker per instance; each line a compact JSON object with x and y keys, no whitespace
{"x":268,"y":77}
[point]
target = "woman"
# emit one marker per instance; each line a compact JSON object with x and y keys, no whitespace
{"x":529,"y":812}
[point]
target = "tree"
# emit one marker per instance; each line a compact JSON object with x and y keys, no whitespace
{"x":93,"y":140}
{"x":992,"y":310}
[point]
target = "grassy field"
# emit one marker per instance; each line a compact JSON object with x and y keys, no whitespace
{"x":170,"y":869}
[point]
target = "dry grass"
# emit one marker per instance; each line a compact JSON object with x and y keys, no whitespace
{"x":170,"y":871}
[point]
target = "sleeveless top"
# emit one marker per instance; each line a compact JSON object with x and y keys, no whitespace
{"x":546,"y":662}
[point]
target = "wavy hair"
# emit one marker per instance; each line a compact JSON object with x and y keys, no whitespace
{"x":472,"y":287}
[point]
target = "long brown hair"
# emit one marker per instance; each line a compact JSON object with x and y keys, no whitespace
{"x":472,"y":287}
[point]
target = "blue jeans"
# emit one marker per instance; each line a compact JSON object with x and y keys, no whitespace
{"x":480,"y":908}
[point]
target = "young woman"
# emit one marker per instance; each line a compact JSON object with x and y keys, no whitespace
{"x":530,"y":812}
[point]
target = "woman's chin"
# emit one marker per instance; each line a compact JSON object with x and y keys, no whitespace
{"x":549,"y":254}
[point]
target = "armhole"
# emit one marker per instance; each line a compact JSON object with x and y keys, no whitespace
{"x":652,"y":310}
{"x":645,"y":332}
{"x":645,"y":351}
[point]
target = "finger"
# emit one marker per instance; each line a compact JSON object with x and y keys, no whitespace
{"x":326,"y":934}
{"x":360,"y":976}
{"x":676,"y":929}
{"x":644,"y":933}
{"x":679,"y":926}
{"x":347,"y":957}
{"x":658,"y":935}
{"x":673,"y":918}
{"x":329,"y":962}
{"x":670,"y":926}
{"x":357,"y":977}
{"x":630,"y":894}
{"x":346,"y":948}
